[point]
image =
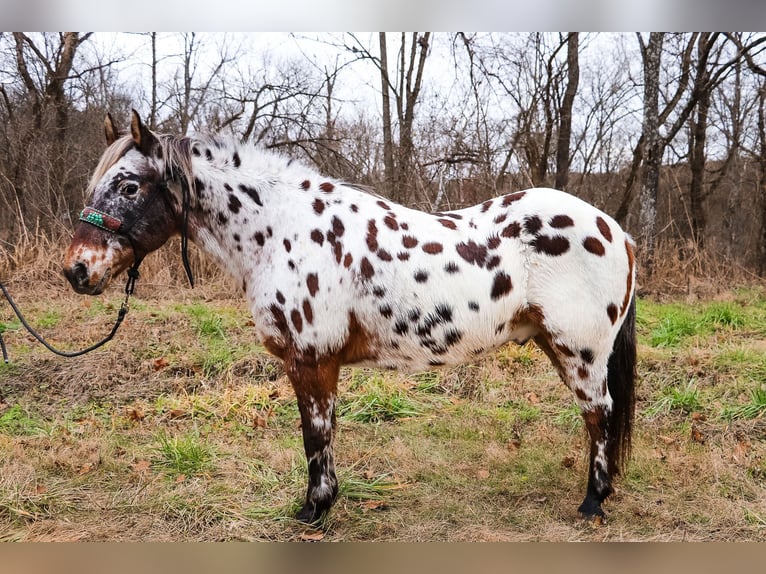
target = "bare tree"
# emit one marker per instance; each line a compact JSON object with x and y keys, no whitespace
{"x":651,"y":53}
{"x":565,"y":114}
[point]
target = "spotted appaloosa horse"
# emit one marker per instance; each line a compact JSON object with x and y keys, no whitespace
{"x":335,"y":275}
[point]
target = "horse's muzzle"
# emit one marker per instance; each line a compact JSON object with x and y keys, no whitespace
{"x":80,"y":279}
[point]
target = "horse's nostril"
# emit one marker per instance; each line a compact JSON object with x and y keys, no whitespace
{"x":77,"y":274}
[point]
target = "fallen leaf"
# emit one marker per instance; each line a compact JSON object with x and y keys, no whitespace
{"x":177,"y":413}
{"x":368,"y":475}
{"x":373,"y":505}
{"x":141,"y":466}
{"x":533,"y":398}
{"x":159,"y":364}
{"x":698,"y":417}
{"x":41,"y":489}
{"x":697,"y":436}
{"x":513,"y":445}
{"x":659,"y":454}
{"x":136,"y":414}
{"x":741,"y":451}
{"x":567,"y":461}
{"x":541,"y":500}
{"x":180,"y":478}
{"x":482,"y":474}
{"x":311,"y":536}
{"x":259,"y":422}
{"x":668,"y":440}
{"x":86,"y":468}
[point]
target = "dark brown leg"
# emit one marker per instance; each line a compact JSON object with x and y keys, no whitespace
{"x":601,"y":456}
{"x":315,"y":383}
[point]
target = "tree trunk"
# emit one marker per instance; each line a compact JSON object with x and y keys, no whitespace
{"x":565,"y":119}
{"x":652,"y":54}
{"x":388,"y":141}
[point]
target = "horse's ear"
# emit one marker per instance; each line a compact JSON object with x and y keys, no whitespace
{"x":143,"y":138}
{"x":110,"y":130}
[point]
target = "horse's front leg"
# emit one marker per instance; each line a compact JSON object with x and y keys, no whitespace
{"x":315,"y":382}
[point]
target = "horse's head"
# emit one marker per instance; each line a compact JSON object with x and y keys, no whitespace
{"x":131,"y":211}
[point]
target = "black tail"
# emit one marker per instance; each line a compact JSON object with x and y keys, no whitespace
{"x":621,"y":380}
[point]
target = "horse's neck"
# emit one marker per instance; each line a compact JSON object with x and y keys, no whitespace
{"x":238,"y":209}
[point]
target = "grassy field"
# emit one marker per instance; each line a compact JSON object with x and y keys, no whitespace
{"x":182,"y":428}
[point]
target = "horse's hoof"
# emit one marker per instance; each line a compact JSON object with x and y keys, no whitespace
{"x":309,"y":514}
{"x":592,"y":512}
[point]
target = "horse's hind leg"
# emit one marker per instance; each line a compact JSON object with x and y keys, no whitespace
{"x":601,"y":467}
{"x":315,"y":384}
{"x":585,"y":373}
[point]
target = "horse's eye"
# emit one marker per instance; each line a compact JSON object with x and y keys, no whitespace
{"x":129,"y":189}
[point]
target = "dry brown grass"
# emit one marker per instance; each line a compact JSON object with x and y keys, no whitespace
{"x":495,"y":453}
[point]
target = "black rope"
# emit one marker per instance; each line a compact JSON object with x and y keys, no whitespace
{"x":124,"y":308}
{"x":124,"y":231}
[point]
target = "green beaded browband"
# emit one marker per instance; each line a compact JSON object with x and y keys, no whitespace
{"x":100,"y":219}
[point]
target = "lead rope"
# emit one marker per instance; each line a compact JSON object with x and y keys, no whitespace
{"x":124,"y":308}
{"x":114,"y":227}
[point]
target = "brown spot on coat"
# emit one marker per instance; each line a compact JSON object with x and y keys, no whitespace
{"x":448,"y":223}
{"x":366,"y":269}
{"x":403,"y":256}
{"x":337,"y":226}
{"x":493,"y":242}
{"x":409,"y":241}
{"x":511,"y":197}
{"x":317,"y":236}
{"x":348,"y":260}
{"x":234,"y":203}
{"x":500,"y":218}
{"x":308,"y":311}
{"x":318,"y":206}
{"x":501,"y":286}
{"x":582,"y":372}
{"x":513,"y":229}
{"x":391,"y":223}
{"x":594,"y":246}
{"x":326,"y":186}
{"x":384,"y":255}
{"x":297,"y":320}
{"x":611,"y":310}
{"x":556,"y":245}
{"x":312,"y":282}
{"x":581,"y":395}
{"x":603,"y":227}
{"x":421,"y":276}
{"x":384,"y":205}
{"x":532,"y":224}
{"x":372,"y":235}
{"x":433,"y":248}
{"x":287,"y":244}
{"x":486,"y":205}
{"x":472,"y":252}
{"x":561,"y":221}
{"x":306,"y":184}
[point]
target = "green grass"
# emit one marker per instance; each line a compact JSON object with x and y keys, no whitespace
{"x":378,"y":400}
{"x":184,"y":454}
{"x":18,"y":422}
{"x":685,"y":399}
{"x":753,"y":409}
{"x":672,"y":324}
